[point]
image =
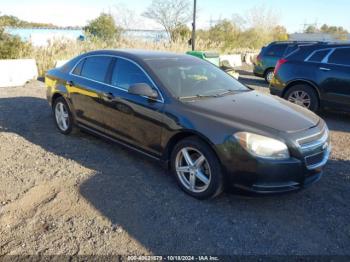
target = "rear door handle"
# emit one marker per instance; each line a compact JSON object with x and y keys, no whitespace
{"x":325,"y":69}
{"x":70,"y":83}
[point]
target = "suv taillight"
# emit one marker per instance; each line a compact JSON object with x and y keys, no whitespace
{"x":258,"y":58}
{"x":279,"y":64}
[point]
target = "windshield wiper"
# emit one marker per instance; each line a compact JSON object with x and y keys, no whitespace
{"x":197,"y":96}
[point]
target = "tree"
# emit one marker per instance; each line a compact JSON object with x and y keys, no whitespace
{"x":103,"y":27}
{"x":13,"y":21}
{"x":171,"y":14}
{"x":12,"y":47}
{"x":182,"y":33}
{"x":339,"y":32}
{"x":226,"y":33}
{"x":311,"y":29}
{"x":279,"y":33}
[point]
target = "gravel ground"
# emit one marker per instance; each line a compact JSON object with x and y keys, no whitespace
{"x":82,"y":195}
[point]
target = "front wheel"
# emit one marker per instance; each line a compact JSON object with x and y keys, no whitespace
{"x":63,"y":116}
{"x":197,"y":169}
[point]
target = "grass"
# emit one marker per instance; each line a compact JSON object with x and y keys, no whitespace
{"x":62,"y":49}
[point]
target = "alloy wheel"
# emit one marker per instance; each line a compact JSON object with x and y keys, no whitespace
{"x":62,"y":116}
{"x":193,"y":170}
{"x":300,"y":98}
{"x":270,"y":75}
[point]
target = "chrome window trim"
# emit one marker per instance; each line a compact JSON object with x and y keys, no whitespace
{"x":116,"y":87}
{"x":326,"y":58}
{"x":318,"y":50}
{"x":347,"y":47}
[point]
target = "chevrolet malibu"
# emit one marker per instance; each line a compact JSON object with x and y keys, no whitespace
{"x":206,"y":127}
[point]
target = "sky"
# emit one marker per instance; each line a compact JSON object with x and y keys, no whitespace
{"x":291,"y":14}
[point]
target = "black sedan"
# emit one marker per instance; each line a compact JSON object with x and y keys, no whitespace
{"x":208,"y":128}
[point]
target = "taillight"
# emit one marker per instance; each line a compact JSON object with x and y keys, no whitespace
{"x":279,"y":64}
{"x":258,"y":58}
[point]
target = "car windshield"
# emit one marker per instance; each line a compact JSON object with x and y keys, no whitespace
{"x":188,"y":77}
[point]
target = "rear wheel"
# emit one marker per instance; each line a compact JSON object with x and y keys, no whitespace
{"x":269,"y":75}
{"x":197,"y":169}
{"x":303,"y":95}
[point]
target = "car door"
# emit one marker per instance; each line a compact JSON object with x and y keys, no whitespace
{"x":134,"y":119}
{"x":335,"y":73}
{"x":87,"y":88}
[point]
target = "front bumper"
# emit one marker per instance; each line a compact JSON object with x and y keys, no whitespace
{"x":274,"y":176}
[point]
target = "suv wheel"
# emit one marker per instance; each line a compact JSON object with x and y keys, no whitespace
{"x":269,"y":75}
{"x":63,"y":116}
{"x":197,"y":169}
{"x":303,"y":95}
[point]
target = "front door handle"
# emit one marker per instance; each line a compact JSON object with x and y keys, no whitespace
{"x":325,"y":69}
{"x":107,"y":96}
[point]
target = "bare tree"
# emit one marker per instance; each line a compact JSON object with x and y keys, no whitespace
{"x":171,"y":14}
{"x":125,"y":17}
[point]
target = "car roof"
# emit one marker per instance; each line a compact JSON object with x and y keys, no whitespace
{"x":305,"y":50}
{"x":136,"y":53}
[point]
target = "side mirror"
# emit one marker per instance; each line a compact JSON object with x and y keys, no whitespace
{"x":142,"y":89}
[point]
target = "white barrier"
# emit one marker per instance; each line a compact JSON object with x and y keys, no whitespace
{"x":17,"y":72}
{"x":60,"y":63}
{"x":233,"y":60}
{"x":249,"y":58}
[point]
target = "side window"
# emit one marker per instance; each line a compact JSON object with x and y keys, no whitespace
{"x":340,"y":56}
{"x":96,"y":67}
{"x":126,"y":73}
{"x":318,"y":56}
{"x":276,"y":50}
{"x":78,"y":68}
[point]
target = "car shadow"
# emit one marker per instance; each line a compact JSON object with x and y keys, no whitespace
{"x":137,"y":194}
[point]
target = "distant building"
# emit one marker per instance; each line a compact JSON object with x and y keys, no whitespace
{"x":42,"y":36}
{"x":315,"y":37}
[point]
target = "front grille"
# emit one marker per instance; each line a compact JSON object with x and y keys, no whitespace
{"x":311,"y":143}
{"x":314,"y":159}
{"x":315,"y":149}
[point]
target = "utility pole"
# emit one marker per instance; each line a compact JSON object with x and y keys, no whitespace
{"x":193,"y":40}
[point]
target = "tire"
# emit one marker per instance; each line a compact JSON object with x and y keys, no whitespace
{"x":69,"y":128}
{"x":209,"y":168}
{"x":269,"y":74}
{"x":298,"y":91}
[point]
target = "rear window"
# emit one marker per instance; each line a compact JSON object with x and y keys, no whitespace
{"x":340,"y":56}
{"x":96,"y":67}
{"x":290,"y":49}
{"x":318,"y":56}
{"x":276,"y":50}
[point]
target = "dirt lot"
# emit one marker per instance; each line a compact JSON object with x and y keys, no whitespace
{"x":83,"y":195}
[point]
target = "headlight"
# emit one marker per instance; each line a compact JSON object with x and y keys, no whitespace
{"x":262,"y":146}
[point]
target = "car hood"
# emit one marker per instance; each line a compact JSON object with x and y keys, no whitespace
{"x":257,"y":110}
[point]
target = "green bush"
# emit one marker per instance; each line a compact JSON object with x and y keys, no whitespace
{"x":12,"y":47}
{"x":103,"y":27}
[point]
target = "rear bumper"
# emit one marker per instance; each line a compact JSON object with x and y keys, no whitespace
{"x":276,"y":91}
{"x":258,"y":71}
